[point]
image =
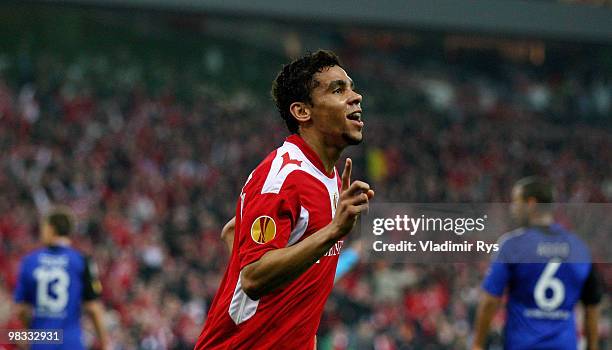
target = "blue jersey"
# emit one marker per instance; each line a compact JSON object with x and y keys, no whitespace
{"x":347,"y":259}
{"x":544,"y":270}
{"x":55,"y":281}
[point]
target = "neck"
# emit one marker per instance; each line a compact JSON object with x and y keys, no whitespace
{"x":541,"y":220}
{"x":60,"y":241}
{"x":328,"y":154}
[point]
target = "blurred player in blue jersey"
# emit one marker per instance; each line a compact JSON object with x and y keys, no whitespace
{"x":546,"y":271}
{"x":55,"y":282}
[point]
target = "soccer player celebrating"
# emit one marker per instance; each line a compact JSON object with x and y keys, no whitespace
{"x":292,"y":215}
{"x":546,"y":271}
{"x":55,"y":282}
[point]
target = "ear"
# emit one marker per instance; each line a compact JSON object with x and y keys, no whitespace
{"x":532,"y":203}
{"x":300,"y":111}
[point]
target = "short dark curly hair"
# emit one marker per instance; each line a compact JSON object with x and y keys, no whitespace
{"x":295,"y":82}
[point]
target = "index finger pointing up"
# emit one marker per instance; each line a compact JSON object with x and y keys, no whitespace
{"x":346,"y":174}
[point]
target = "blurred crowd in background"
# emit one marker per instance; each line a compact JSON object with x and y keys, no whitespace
{"x":587,"y":2}
{"x":151,"y":157}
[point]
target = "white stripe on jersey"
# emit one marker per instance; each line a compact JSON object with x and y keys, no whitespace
{"x":277,"y":175}
{"x":241,"y":307}
{"x":300,"y":227}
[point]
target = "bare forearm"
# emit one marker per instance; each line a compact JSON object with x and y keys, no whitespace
{"x":99,"y":327}
{"x":96,"y":312}
{"x":227,"y":234}
{"x":591,"y":320}
{"x":280,"y":266}
{"x":486,"y":310}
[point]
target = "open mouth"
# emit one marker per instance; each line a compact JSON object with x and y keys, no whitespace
{"x":354,"y":116}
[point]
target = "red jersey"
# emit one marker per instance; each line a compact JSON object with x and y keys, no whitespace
{"x":286,"y":198}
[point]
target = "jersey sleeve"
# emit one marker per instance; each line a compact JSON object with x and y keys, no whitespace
{"x":591,"y":290}
{"x":24,"y":292}
{"x":91,"y":282}
{"x":498,"y":274}
{"x":497,"y":278}
{"x":267,"y":222}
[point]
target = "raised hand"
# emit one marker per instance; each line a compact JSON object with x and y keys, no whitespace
{"x":354,"y":199}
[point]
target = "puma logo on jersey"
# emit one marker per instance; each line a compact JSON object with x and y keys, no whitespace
{"x":287,"y":160}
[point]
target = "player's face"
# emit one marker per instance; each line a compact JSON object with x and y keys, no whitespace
{"x":336,"y":107}
{"x":518,"y":207}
